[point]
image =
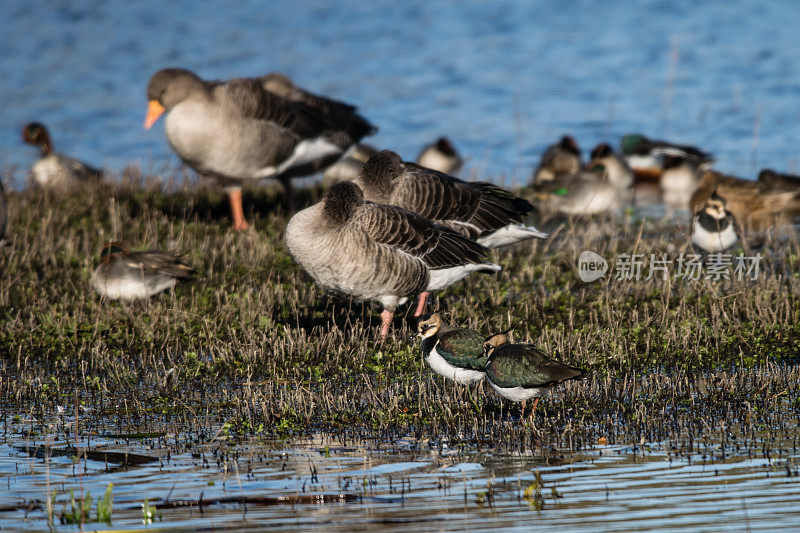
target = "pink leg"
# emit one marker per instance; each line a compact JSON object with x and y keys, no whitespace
{"x":386,"y":321}
{"x":237,"y":213}
{"x":422,"y":303}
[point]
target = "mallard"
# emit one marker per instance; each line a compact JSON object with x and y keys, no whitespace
{"x":370,"y":251}
{"x":519,"y":372}
{"x":455,"y":353}
{"x":127,"y":275}
{"x":713,"y":227}
{"x":241,"y":130}
{"x":441,"y":156}
{"x":646,"y":157}
{"x":560,"y":159}
{"x":52,"y":169}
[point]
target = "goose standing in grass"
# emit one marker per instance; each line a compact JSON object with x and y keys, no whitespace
{"x":52,"y":169}
{"x":755,"y":205}
{"x":378,"y":252}
{"x":713,"y":227}
{"x":519,"y":372}
{"x":126,"y":275}
{"x":646,"y":157}
{"x":481,"y":211}
{"x":455,"y":353}
{"x":441,"y":156}
{"x":237,"y":130}
{"x":560,"y":159}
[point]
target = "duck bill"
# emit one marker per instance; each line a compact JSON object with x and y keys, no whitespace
{"x":154,"y":111}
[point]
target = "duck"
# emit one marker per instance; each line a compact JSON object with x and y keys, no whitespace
{"x":349,"y":166}
{"x":679,"y":178}
{"x":713,"y":227}
{"x":370,"y":251}
{"x":603,"y":159}
{"x":489,"y":214}
{"x":237,"y":130}
{"x":646,"y":157}
{"x":778,"y":180}
{"x":441,"y":155}
{"x":755,"y":205}
{"x":519,"y":372}
{"x":458,"y":354}
{"x":54,"y":170}
{"x":560,"y":159}
{"x":126,"y":275}
{"x":588,"y":193}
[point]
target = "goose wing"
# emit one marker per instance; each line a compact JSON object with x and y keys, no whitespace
{"x":438,"y":246}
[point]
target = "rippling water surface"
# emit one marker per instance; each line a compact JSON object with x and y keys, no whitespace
{"x":503,"y":79}
{"x":319,"y":485}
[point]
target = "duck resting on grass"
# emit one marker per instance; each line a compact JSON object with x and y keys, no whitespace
{"x":126,"y":275}
{"x":441,"y":156}
{"x":646,"y":156}
{"x":251,"y":128}
{"x":52,"y":169}
{"x":377,"y":252}
{"x":481,"y":211}
{"x":519,"y":372}
{"x":455,"y":353}
{"x":560,"y":159}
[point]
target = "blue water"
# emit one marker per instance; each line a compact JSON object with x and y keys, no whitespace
{"x":502,"y":79}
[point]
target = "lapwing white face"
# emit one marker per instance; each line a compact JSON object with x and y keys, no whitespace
{"x":715,"y":208}
{"x":430,"y":327}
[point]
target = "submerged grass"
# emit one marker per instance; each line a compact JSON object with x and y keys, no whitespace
{"x":253,"y":347}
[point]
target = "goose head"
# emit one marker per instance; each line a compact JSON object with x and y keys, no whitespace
{"x":167,"y":88}
{"x":341,"y":201}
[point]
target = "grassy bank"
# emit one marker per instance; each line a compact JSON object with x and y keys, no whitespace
{"x":254,"y":347}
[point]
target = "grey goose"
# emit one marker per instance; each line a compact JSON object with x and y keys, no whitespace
{"x":481,"y":211}
{"x":238,"y":130}
{"x":370,"y":251}
{"x":52,"y":169}
{"x":126,"y":275}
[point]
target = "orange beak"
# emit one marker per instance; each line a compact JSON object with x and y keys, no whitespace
{"x":154,"y":111}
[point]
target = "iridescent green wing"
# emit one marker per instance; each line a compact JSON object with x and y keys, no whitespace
{"x":462,"y":348}
{"x":525,"y":365}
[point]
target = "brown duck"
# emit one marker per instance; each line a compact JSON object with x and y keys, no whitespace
{"x":755,"y":205}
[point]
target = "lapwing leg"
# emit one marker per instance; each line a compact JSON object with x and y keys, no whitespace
{"x":386,"y":321}
{"x":237,"y":213}
{"x":421,"y":304}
